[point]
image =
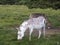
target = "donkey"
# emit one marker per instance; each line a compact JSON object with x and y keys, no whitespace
{"x":34,"y":23}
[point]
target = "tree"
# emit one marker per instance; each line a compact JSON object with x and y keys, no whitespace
{"x":34,"y":3}
{"x":44,"y":4}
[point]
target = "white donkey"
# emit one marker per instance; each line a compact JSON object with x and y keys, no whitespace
{"x":34,"y":23}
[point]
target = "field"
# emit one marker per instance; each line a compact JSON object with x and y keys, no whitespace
{"x":11,"y":16}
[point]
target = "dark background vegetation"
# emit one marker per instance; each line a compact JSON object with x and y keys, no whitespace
{"x":55,"y":4}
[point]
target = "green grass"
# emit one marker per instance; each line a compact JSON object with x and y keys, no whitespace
{"x":12,"y":16}
{"x":9,"y":37}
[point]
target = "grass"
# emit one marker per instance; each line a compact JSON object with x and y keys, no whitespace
{"x":15,"y":14}
{"x":8,"y":37}
{"x":11,"y":16}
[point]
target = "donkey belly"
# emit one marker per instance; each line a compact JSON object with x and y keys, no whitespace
{"x":36,"y":26}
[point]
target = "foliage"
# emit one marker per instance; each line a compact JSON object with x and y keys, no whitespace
{"x":44,"y":4}
{"x":55,"y":4}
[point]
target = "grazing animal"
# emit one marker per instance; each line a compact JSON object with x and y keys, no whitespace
{"x":34,"y":23}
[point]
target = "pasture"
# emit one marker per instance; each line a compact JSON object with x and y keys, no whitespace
{"x":11,"y":16}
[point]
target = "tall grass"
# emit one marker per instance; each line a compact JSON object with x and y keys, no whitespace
{"x":15,"y":14}
{"x":12,"y":16}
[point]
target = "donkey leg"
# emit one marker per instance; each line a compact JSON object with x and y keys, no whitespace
{"x":44,"y":31}
{"x":31,"y":30}
{"x":39,"y":34}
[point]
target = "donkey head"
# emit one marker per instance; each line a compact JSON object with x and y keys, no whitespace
{"x":21,"y":30}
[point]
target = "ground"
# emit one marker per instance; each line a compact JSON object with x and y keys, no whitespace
{"x":48,"y":32}
{"x":53,"y":31}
